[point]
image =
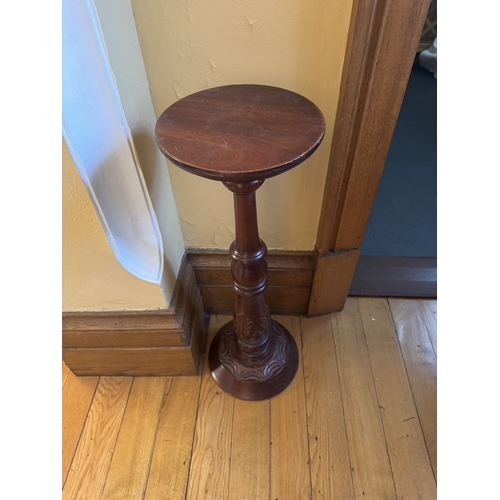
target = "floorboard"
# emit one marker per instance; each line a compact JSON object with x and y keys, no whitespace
{"x":171,"y":458}
{"x":370,"y":465}
{"x":420,"y":361}
{"x":290,"y":476}
{"x":77,"y":397}
{"x":410,"y":463}
{"x":331,"y":476}
{"x":129,"y":467}
{"x":358,"y":421}
{"x":90,"y":464}
{"x":209,"y":471}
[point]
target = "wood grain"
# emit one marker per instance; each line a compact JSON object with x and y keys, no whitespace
{"x":410,"y":463}
{"x":240,"y":132}
{"x":356,"y":373}
{"x":160,"y":361}
{"x":352,"y":94}
{"x":129,"y":467}
{"x":281,"y":300}
{"x":289,"y":450}
{"x":77,"y":395}
{"x":428,"y":311}
{"x":383,"y":39}
{"x":90,"y":464}
{"x":122,"y":321}
{"x":102,"y":339}
{"x":249,"y":474}
{"x":370,"y":465}
{"x":420,"y":361}
{"x":65,"y":372}
{"x":171,"y":459}
{"x":209,"y":471}
{"x":329,"y":454}
{"x":331,"y":282}
{"x":212,"y":267}
{"x":206,"y":259}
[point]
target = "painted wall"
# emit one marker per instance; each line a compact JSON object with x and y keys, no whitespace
{"x":189,"y":46}
{"x":119,"y":31}
{"x":92,"y":277}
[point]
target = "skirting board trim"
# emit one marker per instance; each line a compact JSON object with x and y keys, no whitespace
{"x":168,"y":342}
{"x":289,"y":280}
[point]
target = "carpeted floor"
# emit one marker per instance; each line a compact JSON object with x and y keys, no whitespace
{"x":403,"y":218}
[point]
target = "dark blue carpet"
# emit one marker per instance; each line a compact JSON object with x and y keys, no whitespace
{"x":403,"y":218}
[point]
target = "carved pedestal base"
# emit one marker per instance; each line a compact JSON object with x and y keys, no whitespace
{"x":259,"y":380}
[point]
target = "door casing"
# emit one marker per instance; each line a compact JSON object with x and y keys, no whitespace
{"x":382,"y":43}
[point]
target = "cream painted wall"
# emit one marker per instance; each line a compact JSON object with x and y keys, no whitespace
{"x":298,"y":45}
{"x":92,"y":277}
{"x":122,"y":45}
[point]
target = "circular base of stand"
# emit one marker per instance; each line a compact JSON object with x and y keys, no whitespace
{"x":261,"y":380}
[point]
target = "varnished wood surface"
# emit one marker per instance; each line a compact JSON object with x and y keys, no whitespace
{"x":411,"y":467}
{"x":370,"y":464}
{"x":331,"y":475}
{"x":290,"y":477}
{"x":289,"y":280}
{"x":77,"y":397}
{"x":240,"y":132}
{"x":129,"y":468}
{"x":90,"y":463}
{"x":382,"y":42}
{"x":281,"y":300}
{"x":332,"y":278}
{"x":358,"y":421}
{"x":285,"y":269}
{"x":420,"y":361}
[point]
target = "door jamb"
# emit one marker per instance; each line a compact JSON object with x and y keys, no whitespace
{"x":382,"y":43}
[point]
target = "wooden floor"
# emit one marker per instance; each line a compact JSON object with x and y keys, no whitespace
{"x":358,"y":421}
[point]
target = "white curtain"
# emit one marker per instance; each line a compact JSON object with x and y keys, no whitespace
{"x":99,"y":139}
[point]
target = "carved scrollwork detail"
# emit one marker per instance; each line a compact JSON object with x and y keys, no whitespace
{"x":245,"y":326}
{"x":257,"y":372}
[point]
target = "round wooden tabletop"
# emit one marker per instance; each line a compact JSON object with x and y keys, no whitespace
{"x":240,"y":132}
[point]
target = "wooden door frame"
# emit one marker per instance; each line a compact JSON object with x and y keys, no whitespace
{"x":382,"y":43}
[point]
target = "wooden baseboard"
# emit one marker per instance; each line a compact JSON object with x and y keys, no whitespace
{"x":172,"y":342}
{"x":331,"y":281}
{"x":395,"y":277}
{"x":289,"y":280}
{"x":169,"y":342}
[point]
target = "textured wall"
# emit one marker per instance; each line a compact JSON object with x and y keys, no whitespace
{"x":192,"y":45}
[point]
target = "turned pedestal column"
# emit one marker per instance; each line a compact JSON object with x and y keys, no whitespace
{"x":241,"y":135}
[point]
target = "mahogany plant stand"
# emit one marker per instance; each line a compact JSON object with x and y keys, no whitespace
{"x":241,"y":135}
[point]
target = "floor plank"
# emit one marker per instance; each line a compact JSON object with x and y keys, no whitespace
{"x":290,"y":477}
{"x":352,"y":412}
{"x":169,"y":471}
{"x":209,"y":471}
{"x":90,"y":464}
{"x":370,"y":464}
{"x":420,"y":362}
{"x":251,"y":449}
{"x":428,"y":310}
{"x":330,"y":464}
{"x":77,"y":397}
{"x":410,"y":463}
{"x":129,"y":467}
{"x":65,"y":372}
